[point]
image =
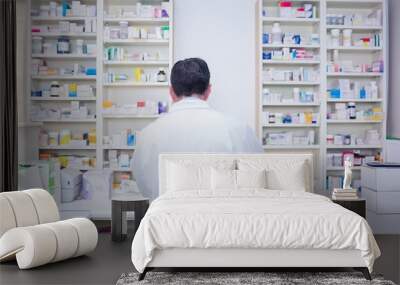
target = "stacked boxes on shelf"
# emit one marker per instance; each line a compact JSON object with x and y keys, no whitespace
{"x":63,"y":83}
{"x":136,"y":61}
{"x":289,"y":74}
{"x":356,"y":83}
{"x":325,"y":58}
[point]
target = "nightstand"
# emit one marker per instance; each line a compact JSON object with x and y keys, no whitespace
{"x":122,"y":204}
{"x":357,"y":206}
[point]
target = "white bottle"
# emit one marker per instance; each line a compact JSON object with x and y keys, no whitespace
{"x":296,"y":95}
{"x":347,"y":37}
{"x":266,"y":96}
{"x":311,"y":137}
{"x":276,"y":34}
{"x":335,"y":37}
{"x":374,"y":90}
{"x":79,"y":46}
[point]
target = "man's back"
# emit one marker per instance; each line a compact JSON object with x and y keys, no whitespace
{"x":191,"y":126}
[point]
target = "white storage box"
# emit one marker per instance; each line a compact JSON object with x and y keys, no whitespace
{"x":382,"y":202}
{"x":381,"y":178}
{"x":70,"y":194}
{"x":70,"y":178}
{"x":381,"y":188}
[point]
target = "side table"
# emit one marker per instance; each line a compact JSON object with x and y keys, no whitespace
{"x":122,"y":204}
{"x":357,"y":205}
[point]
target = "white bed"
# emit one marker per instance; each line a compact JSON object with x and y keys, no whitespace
{"x":202,"y":220}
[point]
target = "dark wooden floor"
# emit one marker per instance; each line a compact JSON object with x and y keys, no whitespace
{"x":103,"y":266}
{"x":110,"y":260}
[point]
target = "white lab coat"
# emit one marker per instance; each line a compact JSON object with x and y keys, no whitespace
{"x":190,"y":126}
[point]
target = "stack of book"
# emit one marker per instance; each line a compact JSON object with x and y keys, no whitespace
{"x":344,"y":194}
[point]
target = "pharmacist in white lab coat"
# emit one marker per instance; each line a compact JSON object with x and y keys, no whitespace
{"x":190,"y":126}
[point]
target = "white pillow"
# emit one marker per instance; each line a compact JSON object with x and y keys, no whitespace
{"x":282,"y":173}
{"x":223,"y":179}
{"x":251,"y":178}
{"x":181,"y":177}
{"x":294,"y":180}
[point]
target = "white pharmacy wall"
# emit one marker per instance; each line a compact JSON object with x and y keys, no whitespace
{"x":223,"y":34}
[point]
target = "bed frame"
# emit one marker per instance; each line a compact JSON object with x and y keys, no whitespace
{"x":246,"y":259}
{"x":242,"y":259}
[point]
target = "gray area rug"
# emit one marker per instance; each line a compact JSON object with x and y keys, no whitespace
{"x":269,"y":278}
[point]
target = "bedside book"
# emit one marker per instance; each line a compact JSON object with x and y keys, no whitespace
{"x":344,"y":194}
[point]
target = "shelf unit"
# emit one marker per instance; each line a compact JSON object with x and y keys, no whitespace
{"x":354,"y":146}
{"x":55,"y":60}
{"x":324,"y":104}
{"x":119,"y":92}
{"x":291,"y":125}
{"x":268,"y":15}
{"x":64,"y":77}
{"x":129,"y":91}
{"x":63,"y":99}
{"x":290,"y":147}
{"x":358,"y":54}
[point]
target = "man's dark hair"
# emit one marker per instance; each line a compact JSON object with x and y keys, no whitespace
{"x":190,"y":76}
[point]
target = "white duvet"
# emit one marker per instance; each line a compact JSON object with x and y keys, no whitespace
{"x":250,"y":219}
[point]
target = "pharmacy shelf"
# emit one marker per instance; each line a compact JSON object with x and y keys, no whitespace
{"x":29,"y":124}
{"x":83,"y":168}
{"x":56,"y":19}
{"x":354,"y":74}
{"x":66,"y":121}
{"x":291,"y":83}
{"x":355,"y":28}
{"x":359,"y":4}
{"x":295,"y":1}
{"x":76,"y":205}
{"x":137,"y":41}
{"x":65,"y":56}
{"x":291,"y":20}
{"x":121,"y":169}
{"x":64,"y":77}
{"x":110,"y":147}
{"x":136,"y":84}
{"x":354,"y":2}
{"x":359,"y":146}
{"x":129,"y":116}
{"x":330,"y":100}
{"x":136,"y":20}
{"x":362,"y":54}
{"x":291,"y":125}
{"x":291,"y":46}
{"x":291,"y":62}
{"x":72,"y":35}
{"x":136,"y":63}
{"x":353,"y":121}
{"x":355,"y":48}
{"x":103,"y":123}
{"x":51,"y":99}
{"x":291,"y":146}
{"x":291,"y":105}
{"x":67,"y":147}
{"x":341,"y":168}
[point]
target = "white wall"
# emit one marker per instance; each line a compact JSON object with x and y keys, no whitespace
{"x":223,"y":34}
{"x":394,"y":69}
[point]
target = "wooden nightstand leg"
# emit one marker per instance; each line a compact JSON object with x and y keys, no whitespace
{"x":116,"y":221}
{"x":140,"y":211}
